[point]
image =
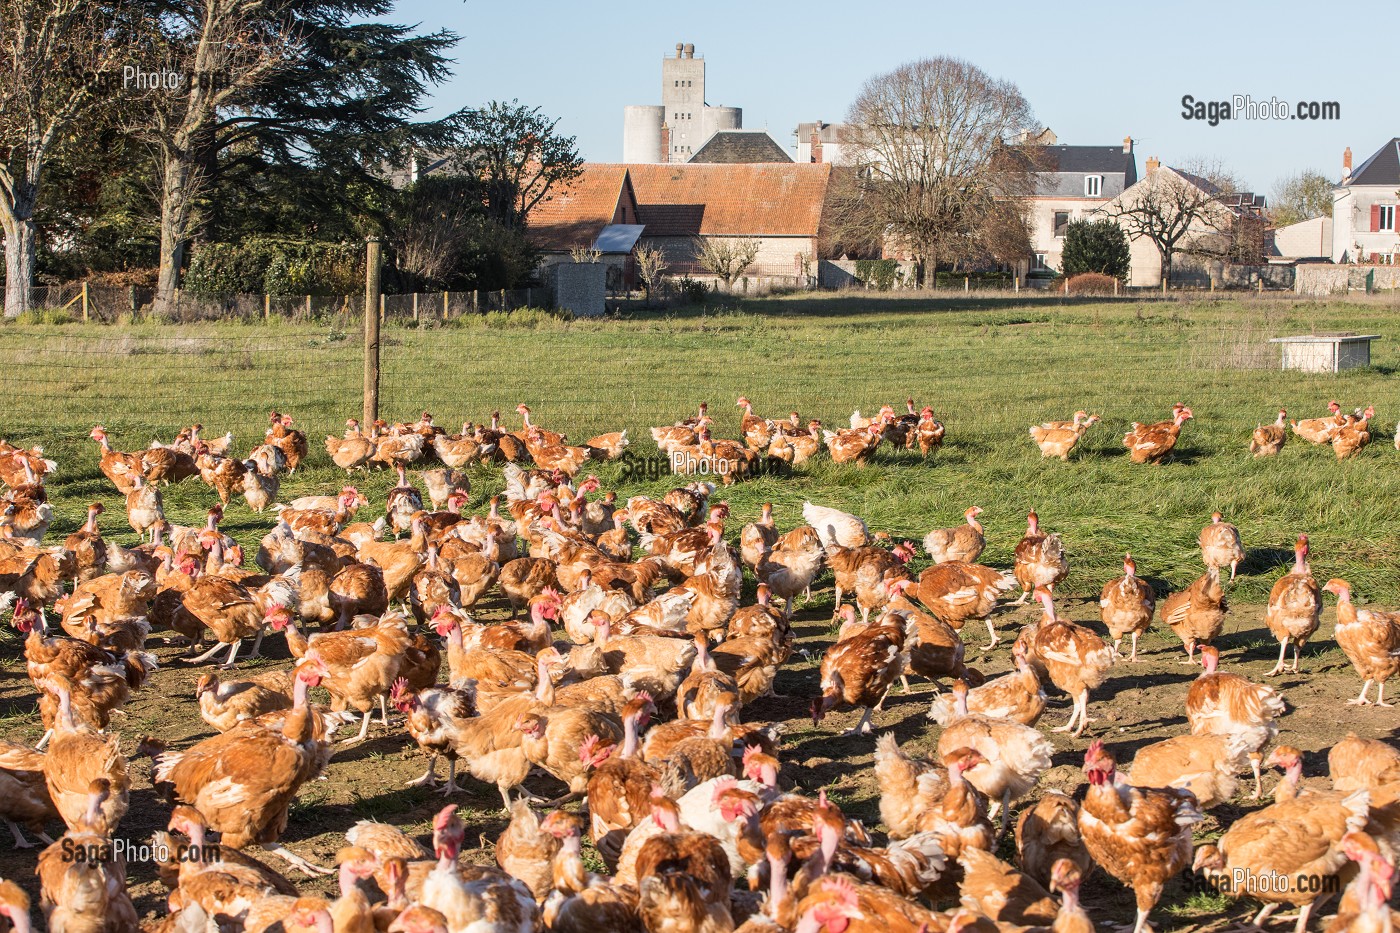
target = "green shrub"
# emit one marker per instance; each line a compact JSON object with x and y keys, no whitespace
{"x":266,"y":265}
{"x":1095,"y":246}
{"x":692,"y":291}
{"x":879,"y":274}
{"x":1091,"y":283}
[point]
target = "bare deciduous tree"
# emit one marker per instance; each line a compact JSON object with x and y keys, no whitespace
{"x":58,"y":55}
{"x":928,"y":141}
{"x":651,"y":266}
{"x":724,"y":258}
{"x":219,"y":48}
{"x":1178,"y":211}
{"x":585,"y":254}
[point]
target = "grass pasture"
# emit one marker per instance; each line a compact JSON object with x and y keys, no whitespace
{"x":988,"y":367}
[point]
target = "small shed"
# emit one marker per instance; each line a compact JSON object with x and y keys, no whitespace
{"x":1326,"y":353}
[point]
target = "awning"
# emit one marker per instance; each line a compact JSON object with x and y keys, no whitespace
{"x":618,"y":238}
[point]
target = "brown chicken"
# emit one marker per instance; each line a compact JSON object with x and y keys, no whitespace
{"x":1295,"y":607}
{"x":1017,"y":696}
{"x":1353,"y":435}
{"x":1295,"y":842}
{"x":244,"y":780}
{"x":360,"y":666}
{"x":1371,"y":640}
{"x":1047,"y":833}
{"x":1075,"y":659}
{"x":1126,"y":606}
{"x":1139,"y":835}
{"x":856,"y":445}
{"x":1268,"y":439}
{"x":1228,"y":704}
{"x":24,"y":793}
{"x":1014,"y":755}
{"x":964,"y":543}
{"x":564,"y":742}
{"x":76,"y":757}
{"x":1039,"y":560}
{"x":1220,"y":545}
{"x":87,"y":547}
{"x":1197,"y":613}
{"x":224,"y":703}
{"x":1320,"y":430}
{"x":232,"y":612}
{"x":792,"y":564}
{"x":287,"y":439}
{"x":859,"y":670}
{"x":1153,"y":443}
{"x":122,"y":469}
{"x":1061,"y":441}
{"x":956,"y":592}
{"x":862,"y":571}
{"x":619,"y":788}
{"x":526,"y":848}
{"x":90,"y":893}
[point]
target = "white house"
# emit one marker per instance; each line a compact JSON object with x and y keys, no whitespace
{"x":1072,"y":183}
{"x":1365,"y":207}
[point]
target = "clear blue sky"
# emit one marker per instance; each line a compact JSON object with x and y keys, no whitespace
{"x":1094,"y":72}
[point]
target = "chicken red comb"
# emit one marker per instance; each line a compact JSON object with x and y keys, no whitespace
{"x":445,"y":817}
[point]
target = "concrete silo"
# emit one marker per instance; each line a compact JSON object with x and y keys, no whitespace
{"x":718,"y":119}
{"x":641,"y":133}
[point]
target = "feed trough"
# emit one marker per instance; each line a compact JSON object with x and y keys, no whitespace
{"x":1326,"y":353}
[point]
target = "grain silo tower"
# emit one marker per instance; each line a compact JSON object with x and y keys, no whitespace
{"x":688,"y":121}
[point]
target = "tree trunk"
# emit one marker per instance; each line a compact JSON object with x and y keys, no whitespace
{"x":1167,"y":267}
{"x":19,"y":265}
{"x":174,"y":227}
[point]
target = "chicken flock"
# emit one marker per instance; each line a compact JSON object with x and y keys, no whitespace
{"x":626,"y":680}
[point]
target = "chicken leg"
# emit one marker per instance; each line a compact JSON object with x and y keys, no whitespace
{"x":991,"y":630}
{"x":1282,"y":652}
{"x":20,"y":841}
{"x":218,"y":646}
{"x":862,"y":727}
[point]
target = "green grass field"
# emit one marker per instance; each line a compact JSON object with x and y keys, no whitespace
{"x":989,"y":368}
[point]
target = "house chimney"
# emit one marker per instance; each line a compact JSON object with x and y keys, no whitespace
{"x":665,"y":142}
{"x":1152,"y":164}
{"x":680,"y":49}
{"x":1127,"y":145}
{"x":1346,"y":165}
{"x":690,"y":50}
{"x":817,"y":143}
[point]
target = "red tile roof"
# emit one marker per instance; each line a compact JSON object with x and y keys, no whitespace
{"x":575,"y":216}
{"x":730,"y":200}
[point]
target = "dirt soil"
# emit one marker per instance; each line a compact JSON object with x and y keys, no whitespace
{"x":1139,"y":704}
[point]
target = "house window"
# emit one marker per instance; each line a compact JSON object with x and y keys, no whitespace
{"x":1386,"y":217}
{"x":1040,"y":265}
{"x":1093,"y":184}
{"x":1061,"y":223}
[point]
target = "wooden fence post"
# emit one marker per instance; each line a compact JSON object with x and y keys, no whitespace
{"x":415,"y":307}
{"x":267,"y":306}
{"x":1115,"y":288}
{"x":967,"y":284}
{"x":444,"y":305}
{"x":308,"y":307}
{"x":503,"y":300}
{"x":373,"y":302}
{"x":85,"y":302}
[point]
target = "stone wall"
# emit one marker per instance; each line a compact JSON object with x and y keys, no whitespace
{"x":581,"y":287}
{"x":1323,"y":279}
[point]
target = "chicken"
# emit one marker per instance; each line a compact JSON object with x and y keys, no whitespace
{"x":905,"y":793}
{"x":402,"y":503}
{"x":796,"y":449}
{"x":167,"y":465}
{"x":564,"y":742}
{"x":838,"y":902}
{"x":860,"y":669}
{"x":143,"y":507}
{"x":350,"y":453}
{"x":1228,"y":704}
{"x":435,"y":716}
{"x":955,"y":592}
{"x":259,"y":487}
{"x":225,"y":703}
{"x":474,"y":898}
{"x":525,"y":578}
{"x":1061,"y":441}
{"x":1154,"y":443}
{"x":77,"y":756}
{"x":935,"y":650}
{"x":856,"y":446}
{"x":1074,"y":658}
{"x":1017,"y":696}
{"x":87,"y":893}
{"x":1353,"y":435}
{"x":1039,"y":560}
{"x":862,"y":571}
{"x":360,"y":666}
{"x":1268,"y":439}
{"x":999,"y":892}
{"x":1126,"y":606}
{"x":459,"y":450}
{"x":758,"y":537}
{"x":1206,"y":765}
{"x":552,"y":455}
{"x":1295,"y":607}
{"x":14,"y":906}
{"x":836,"y":527}
{"x":109,"y":611}
{"x":222,"y":474}
{"x":1139,"y":835}
{"x":1320,"y":430}
{"x":1197,"y":613}
{"x":1048,"y":833}
{"x":1370,"y":639}
{"x":291,"y":442}
{"x":758,"y":432}
{"x":927,"y":434}
{"x":1355,"y":763}
{"x":1220,"y":545}
{"x":87,"y":547}
{"x":1014,"y":755}
{"x":24,"y":793}
{"x":244,"y":780}
{"x":233,"y":612}
{"x":526,"y":850}
{"x":398,"y":445}
{"x":446,"y":486}
{"x":964,"y":543}
{"x":1295,"y":843}
{"x":792,"y":565}
{"x":122,"y":469}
